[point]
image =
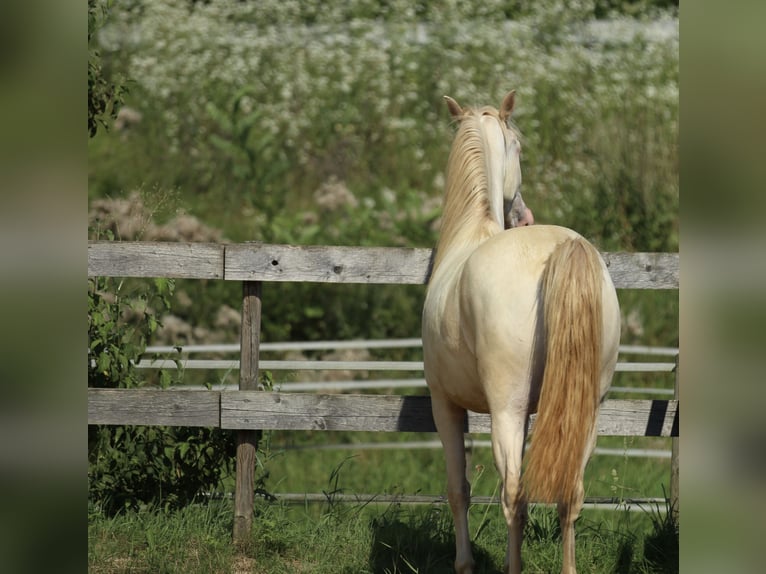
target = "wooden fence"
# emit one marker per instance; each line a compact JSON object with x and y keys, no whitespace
{"x":248,"y":409}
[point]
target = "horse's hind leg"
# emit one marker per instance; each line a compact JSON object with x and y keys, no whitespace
{"x":568,"y":514}
{"x":507,"y":445}
{"x":450,"y":420}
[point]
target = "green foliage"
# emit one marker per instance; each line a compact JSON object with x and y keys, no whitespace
{"x":250,"y":159}
{"x":130,"y":466}
{"x":639,"y":8}
{"x":104,"y":95}
{"x":250,"y":122}
{"x":119,"y":326}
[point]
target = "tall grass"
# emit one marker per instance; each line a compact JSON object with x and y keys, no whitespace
{"x":194,"y":539}
{"x":358,"y":539}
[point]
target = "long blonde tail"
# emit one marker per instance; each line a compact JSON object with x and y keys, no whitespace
{"x":569,"y":396}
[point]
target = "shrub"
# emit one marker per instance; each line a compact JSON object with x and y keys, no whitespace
{"x":104,"y":95}
{"x":130,"y":466}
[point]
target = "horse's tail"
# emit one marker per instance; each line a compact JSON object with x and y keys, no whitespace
{"x":569,"y":397}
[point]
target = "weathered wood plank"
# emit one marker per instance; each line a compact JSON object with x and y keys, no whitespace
{"x":643,"y":270}
{"x":288,"y":411}
{"x":154,"y":407}
{"x":155,"y":259}
{"x":618,"y":417}
{"x":326,"y":264}
{"x":247,"y":439}
{"x":637,"y":417}
{"x":250,"y":335}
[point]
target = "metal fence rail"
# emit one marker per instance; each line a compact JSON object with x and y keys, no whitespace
{"x":356,"y":344}
{"x":653,"y":504}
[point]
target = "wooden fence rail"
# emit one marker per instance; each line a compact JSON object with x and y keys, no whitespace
{"x":248,"y":410}
{"x":348,"y":412}
{"x":383,"y":265}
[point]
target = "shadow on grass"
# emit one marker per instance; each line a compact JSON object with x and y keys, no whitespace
{"x":409,"y":541}
{"x":628,"y":547}
{"x":406,"y":542}
{"x":661,"y":546}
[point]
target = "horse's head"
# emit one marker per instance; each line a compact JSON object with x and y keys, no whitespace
{"x":502,"y":153}
{"x":517,"y":214}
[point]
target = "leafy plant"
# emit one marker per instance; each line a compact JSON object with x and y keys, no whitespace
{"x":104,"y":95}
{"x":250,"y":157}
{"x":542,"y":524}
{"x":132,"y":466}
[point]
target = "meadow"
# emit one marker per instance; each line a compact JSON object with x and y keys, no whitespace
{"x":377,"y":539}
{"x":323,"y":123}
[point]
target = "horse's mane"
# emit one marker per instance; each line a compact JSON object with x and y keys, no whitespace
{"x":466,"y":215}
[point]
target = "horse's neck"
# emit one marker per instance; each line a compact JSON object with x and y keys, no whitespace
{"x":473,"y":209}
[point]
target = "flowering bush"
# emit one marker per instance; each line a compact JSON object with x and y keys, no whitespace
{"x":270,"y":100}
{"x":323,"y":123}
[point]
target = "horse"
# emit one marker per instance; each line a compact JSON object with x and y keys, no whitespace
{"x":518,"y":319}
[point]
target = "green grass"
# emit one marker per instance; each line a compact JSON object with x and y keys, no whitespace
{"x":193,"y":539}
{"x":356,"y":539}
{"x":334,"y":536}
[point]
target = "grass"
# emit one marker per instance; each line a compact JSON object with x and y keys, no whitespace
{"x":193,"y":539}
{"x":334,"y":536}
{"x":355,"y":539}
{"x":401,"y":471}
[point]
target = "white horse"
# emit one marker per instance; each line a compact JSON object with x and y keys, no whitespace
{"x":515,"y":321}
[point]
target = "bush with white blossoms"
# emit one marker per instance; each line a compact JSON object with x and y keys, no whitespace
{"x":262,"y":103}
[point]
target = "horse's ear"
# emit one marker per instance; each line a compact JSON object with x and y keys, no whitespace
{"x":507,"y":106}
{"x":454,"y":108}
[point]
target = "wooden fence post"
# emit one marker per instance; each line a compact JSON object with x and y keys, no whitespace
{"x":674,"y":454}
{"x":247,"y":440}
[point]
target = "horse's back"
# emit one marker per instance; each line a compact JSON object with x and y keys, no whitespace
{"x":514,"y":260}
{"x":508,"y":266}
{"x":523,"y":247}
